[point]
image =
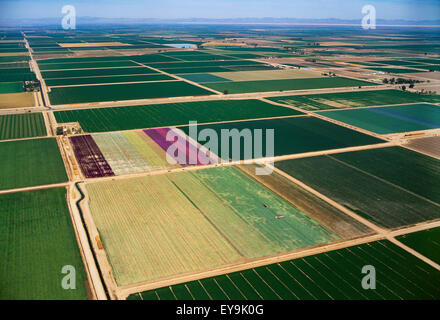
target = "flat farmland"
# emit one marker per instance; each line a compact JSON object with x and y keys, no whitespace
{"x":171,"y":114}
{"x":36,"y":242}
{"x":427,"y":242}
{"x":281,"y":85}
{"x":17,"y":100}
{"x":87,"y":65}
{"x":11,"y":87}
{"x":293,"y":135}
{"x":130,"y":91}
{"x":316,"y":102}
{"x":27,"y":163}
{"x":428,"y":145}
{"x":15,"y":126}
{"x":268,"y":75}
{"x":107,"y":79}
{"x":189,"y":221}
{"x":95,"y":72}
{"x":333,"y":275}
{"x":394,"y":119}
{"x":388,"y":200}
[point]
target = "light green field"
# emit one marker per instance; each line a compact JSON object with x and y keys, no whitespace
{"x":165,"y":225}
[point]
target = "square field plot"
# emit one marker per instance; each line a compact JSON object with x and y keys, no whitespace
{"x":27,"y":163}
{"x":291,"y":136}
{"x":118,"y":92}
{"x":171,"y":114}
{"x":280,"y":85}
{"x":339,"y":100}
{"x":165,"y":225}
{"x":392,"y":187}
{"x":36,"y":241}
{"x":395,"y":119}
{"x":15,"y":126}
{"x":334,"y":275}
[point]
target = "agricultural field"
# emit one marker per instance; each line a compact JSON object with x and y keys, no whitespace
{"x":95,"y":72}
{"x":36,"y":241}
{"x":292,"y":135}
{"x":34,"y":162}
{"x":394,"y":119}
{"x":106,"y":79}
{"x":26,"y":125}
{"x":401,"y":183}
{"x":285,"y":85}
{"x":317,"y":102}
{"x":131,"y":91}
{"x":10,"y":87}
{"x":195,"y":219}
{"x":333,"y":275}
{"x":427,"y":242}
{"x":171,"y":114}
{"x":428,"y":145}
{"x":17,"y":100}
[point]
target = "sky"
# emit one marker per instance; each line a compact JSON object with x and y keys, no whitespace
{"x":308,"y":9}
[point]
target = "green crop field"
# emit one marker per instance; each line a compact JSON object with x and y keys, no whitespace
{"x":15,"y":126}
{"x":334,"y":275}
{"x":27,"y":163}
{"x":161,"y":115}
{"x":394,"y":70}
{"x":95,"y":72}
{"x":427,"y":242}
{"x":326,"y":101}
{"x":293,"y":135}
{"x":36,"y":241}
{"x":385,"y":120}
{"x":11,"y":87}
{"x":281,"y":85}
{"x":130,"y":91}
{"x":86,"y":65}
{"x":191,"y":221}
{"x":109,"y":79}
{"x":387,"y":199}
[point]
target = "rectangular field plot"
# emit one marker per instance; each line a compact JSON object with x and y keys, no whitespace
{"x":96,"y":72}
{"x":268,"y":75}
{"x":11,"y":87}
{"x":164,"y":225}
{"x":392,"y":187}
{"x":281,"y":85}
{"x":291,"y":136}
{"x":334,"y":275}
{"x":171,"y":114}
{"x":109,"y":79}
{"x":385,"y":120}
{"x":15,"y":126}
{"x":36,"y":241}
{"x":338,"y":100}
{"x":118,"y":92}
{"x":17,"y":100}
{"x":26,"y":163}
{"x":87,"y":65}
{"x":427,"y":242}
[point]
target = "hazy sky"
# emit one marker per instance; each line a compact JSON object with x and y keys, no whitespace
{"x":343,"y":9}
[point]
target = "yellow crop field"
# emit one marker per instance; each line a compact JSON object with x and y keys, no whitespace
{"x":268,"y":75}
{"x":151,"y":230}
{"x":17,"y":100}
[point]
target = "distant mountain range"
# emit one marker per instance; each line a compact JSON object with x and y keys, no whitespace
{"x":256,"y":21}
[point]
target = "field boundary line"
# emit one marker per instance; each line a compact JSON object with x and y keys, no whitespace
{"x":179,"y":78}
{"x":40,"y":187}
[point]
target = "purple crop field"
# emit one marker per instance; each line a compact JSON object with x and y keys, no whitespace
{"x":90,"y":158}
{"x":190,"y":152}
